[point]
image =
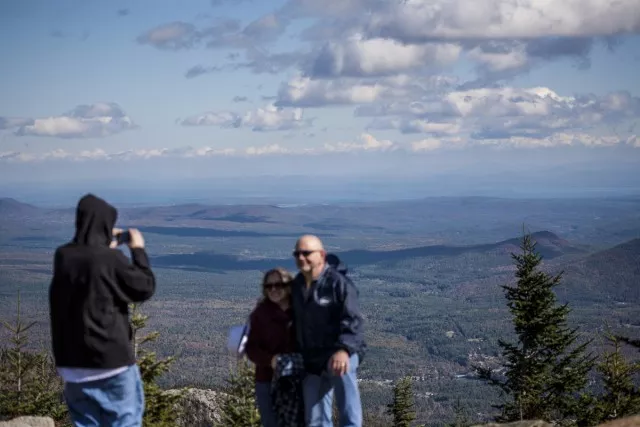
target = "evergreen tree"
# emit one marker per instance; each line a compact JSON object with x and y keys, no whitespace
{"x":402,"y":409}
{"x":29,"y":384}
{"x":621,"y":397}
{"x":546,"y":370}
{"x":238,"y":407}
{"x":160,"y":406}
{"x":461,"y":418}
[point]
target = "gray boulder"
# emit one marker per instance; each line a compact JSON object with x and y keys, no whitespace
{"x":28,"y":422}
{"x":525,"y":423}
{"x":199,"y":408}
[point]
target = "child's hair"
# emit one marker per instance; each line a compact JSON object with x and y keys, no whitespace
{"x":285,"y":277}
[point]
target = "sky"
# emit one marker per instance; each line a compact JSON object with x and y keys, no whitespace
{"x":163,"y":91}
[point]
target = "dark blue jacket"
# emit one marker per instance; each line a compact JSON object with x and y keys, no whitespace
{"x":328,"y":318}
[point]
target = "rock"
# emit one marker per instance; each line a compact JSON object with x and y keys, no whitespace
{"x":28,"y":422}
{"x":633,"y":421}
{"x":199,"y":408}
{"x":624,"y":422}
{"x":532,"y":423}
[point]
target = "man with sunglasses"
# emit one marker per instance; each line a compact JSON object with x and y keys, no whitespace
{"x":329,"y":333}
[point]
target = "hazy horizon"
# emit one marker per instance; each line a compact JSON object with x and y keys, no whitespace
{"x":271,"y":190}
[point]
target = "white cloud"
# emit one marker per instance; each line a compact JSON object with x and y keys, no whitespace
{"x":221,"y":33}
{"x":558,"y":139}
{"x":274,"y":118}
{"x":265,"y":27}
{"x":408,"y":125}
{"x":504,"y":37}
{"x":60,"y":154}
{"x":485,"y":102}
{"x":171,"y":36}
{"x":634,"y":141}
{"x":268,"y":149}
{"x":505,"y":113}
{"x":428,"y":144}
{"x":424,"y":20}
{"x":189,"y":152}
{"x":364,"y":143}
{"x":367,"y":142}
{"x":506,"y":101}
{"x":356,"y":57}
{"x":540,"y":112}
{"x":269,"y":118}
{"x":514,"y":59}
{"x":302,"y":91}
{"x":8,"y":155}
{"x":85,"y":121}
{"x":509,"y":102}
{"x":305,"y":92}
{"x":213,"y":118}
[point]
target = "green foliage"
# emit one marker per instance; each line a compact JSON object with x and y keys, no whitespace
{"x":461,"y":417}
{"x":238,"y":402}
{"x":545,"y":371}
{"x":374,"y":419}
{"x":620,"y":397}
{"x":402,"y":407}
{"x":627,"y":340}
{"x":29,"y":384}
{"x":160,"y":406}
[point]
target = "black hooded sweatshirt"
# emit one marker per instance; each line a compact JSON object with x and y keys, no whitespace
{"x":90,"y":291}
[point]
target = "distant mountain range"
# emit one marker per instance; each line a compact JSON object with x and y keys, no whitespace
{"x":548,"y":244}
{"x":12,"y":207}
{"x":612,"y":274}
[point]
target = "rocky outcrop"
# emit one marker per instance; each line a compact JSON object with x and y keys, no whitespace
{"x":199,"y":408}
{"x":624,"y":422}
{"x":28,"y":422}
{"x":534,"y":423}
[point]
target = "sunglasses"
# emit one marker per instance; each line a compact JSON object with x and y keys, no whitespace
{"x":273,"y":286}
{"x":296,"y":254}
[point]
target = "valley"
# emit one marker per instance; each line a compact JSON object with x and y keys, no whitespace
{"x":429,"y":272}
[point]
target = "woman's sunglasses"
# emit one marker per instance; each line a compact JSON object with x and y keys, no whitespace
{"x":272,"y":286}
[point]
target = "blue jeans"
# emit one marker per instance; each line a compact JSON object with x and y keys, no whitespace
{"x":318,"y":393}
{"x":117,"y":401}
{"x":265,"y":407}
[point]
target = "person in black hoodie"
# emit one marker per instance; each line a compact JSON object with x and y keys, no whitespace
{"x":92,"y":285}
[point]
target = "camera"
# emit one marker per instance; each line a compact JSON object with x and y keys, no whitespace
{"x":123,"y":238}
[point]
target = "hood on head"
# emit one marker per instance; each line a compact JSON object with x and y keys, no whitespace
{"x":335,"y":262}
{"x":95,"y":220}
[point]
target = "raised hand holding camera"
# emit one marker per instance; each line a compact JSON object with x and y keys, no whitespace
{"x":131,"y":237}
{"x":135,"y":238}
